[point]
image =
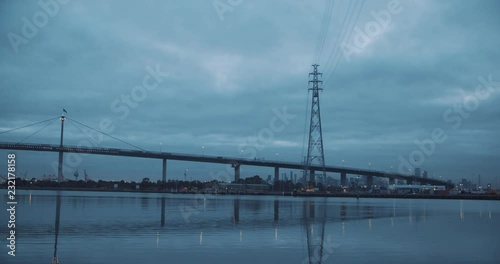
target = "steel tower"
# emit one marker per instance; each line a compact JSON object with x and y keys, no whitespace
{"x":315,"y":153}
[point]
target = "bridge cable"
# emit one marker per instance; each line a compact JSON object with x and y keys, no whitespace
{"x":108,"y":135}
{"x":37,"y":131}
{"x":91,"y":139}
{"x":28,"y":125}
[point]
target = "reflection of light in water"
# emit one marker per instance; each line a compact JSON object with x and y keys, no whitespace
{"x":410,"y":215}
{"x":489,"y":210}
{"x":241,"y":235}
{"x":461,"y":210}
{"x":201,"y":238}
{"x":157,"y":239}
{"x":312,"y":229}
{"x":370,"y":223}
{"x":343,"y":228}
{"x":392,"y":221}
{"x":276,"y":233}
{"x":30,"y":199}
{"x":393,"y":208}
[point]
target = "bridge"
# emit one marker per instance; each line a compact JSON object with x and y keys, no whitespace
{"x":236,"y":163}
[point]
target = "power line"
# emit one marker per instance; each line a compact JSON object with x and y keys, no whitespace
{"x":340,"y":35}
{"x":320,"y":32}
{"x":324,"y":29}
{"x":348,"y":38}
{"x":108,"y":135}
{"x":305,"y":124}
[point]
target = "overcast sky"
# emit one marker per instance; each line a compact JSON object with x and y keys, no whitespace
{"x":230,"y":63}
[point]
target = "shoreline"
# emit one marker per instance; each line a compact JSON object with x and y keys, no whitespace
{"x":337,"y":195}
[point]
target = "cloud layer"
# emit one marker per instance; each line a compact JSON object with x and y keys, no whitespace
{"x":226,"y":77}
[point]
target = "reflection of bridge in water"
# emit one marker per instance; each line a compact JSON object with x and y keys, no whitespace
{"x":58,"y":218}
{"x":316,"y":217}
{"x":282,"y":213}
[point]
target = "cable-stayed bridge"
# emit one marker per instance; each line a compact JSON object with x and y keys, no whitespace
{"x":235,"y":162}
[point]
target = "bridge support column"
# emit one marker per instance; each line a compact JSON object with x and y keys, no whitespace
{"x":236,"y":167}
{"x":312,"y":177}
{"x":369,"y":182}
{"x":164,"y":171}
{"x":343,"y":179}
{"x":236,"y":172}
{"x":276,"y":174}
{"x":392,"y":181}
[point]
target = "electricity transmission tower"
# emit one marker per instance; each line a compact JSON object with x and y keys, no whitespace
{"x":315,"y":153}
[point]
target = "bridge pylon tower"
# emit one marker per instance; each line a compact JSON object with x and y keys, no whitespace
{"x":315,"y":152}
{"x":60,"y":176}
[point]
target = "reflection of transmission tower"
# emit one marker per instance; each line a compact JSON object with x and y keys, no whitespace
{"x":315,"y":154}
{"x":315,"y":233}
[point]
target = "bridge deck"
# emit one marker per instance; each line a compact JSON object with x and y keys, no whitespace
{"x":208,"y":159}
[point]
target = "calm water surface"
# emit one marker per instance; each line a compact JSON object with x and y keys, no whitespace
{"x":98,"y":227}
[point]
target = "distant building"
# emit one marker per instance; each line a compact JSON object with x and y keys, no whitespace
{"x":417,"y":172}
{"x":233,"y":188}
{"x":145,"y":180}
{"x":425,"y":175}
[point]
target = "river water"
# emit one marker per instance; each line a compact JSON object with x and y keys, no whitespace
{"x":109,"y":227}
